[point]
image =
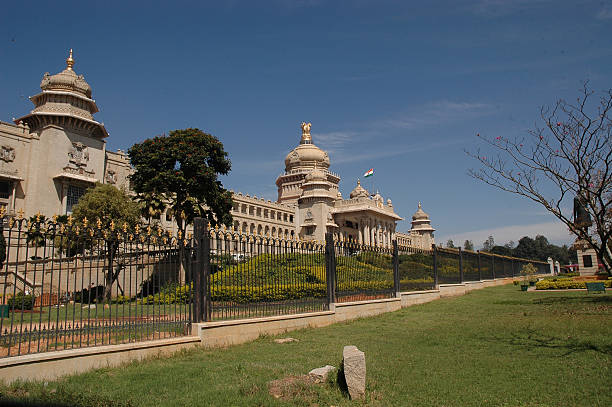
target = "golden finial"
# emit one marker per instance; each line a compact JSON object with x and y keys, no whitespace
{"x":159,"y":231}
{"x":10,"y":223}
{"x":78,"y":230}
{"x":99,"y":223}
{"x":137,"y":229}
{"x":2,"y":211}
{"x":179,"y":234}
{"x":38,"y":216}
{"x":149,"y":230}
{"x":54,"y":218}
{"x":112,"y":225}
{"x":91,"y":232}
{"x":85,"y":222}
{"x":69,"y":61}
{"x":20,"y":214}
{"x":125,"y":227}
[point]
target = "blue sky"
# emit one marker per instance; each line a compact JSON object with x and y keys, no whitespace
{"x":399,"y":86}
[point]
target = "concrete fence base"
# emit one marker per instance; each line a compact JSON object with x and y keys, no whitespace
{"x":52,"y":365}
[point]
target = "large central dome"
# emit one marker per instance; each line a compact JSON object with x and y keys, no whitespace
{"x":306,"y":155}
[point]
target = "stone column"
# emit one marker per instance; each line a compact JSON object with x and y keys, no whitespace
{"x":360,"y":232}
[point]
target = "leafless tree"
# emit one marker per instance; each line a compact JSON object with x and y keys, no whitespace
{"x":568,"y":155}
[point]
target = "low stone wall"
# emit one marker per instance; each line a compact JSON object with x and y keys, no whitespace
{"x":51,"y":365}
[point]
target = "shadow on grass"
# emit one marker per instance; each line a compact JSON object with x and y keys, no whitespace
{"x":21,"y":403}
{"x":591,"y":299}
{"x":531,"y":340}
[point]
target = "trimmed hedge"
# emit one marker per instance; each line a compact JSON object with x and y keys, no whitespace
{"x":566,"y":284}
{"x":21,"y":301}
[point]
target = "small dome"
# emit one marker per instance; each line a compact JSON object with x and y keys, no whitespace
{"x":389,"y":202}
{"x":420,"y":214}
{"x":378,"y":197}
{"x":67,"y":80}
{"x":359,"y":191}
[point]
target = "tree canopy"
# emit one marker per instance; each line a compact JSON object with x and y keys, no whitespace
{"x":567,"y":157}
{"x":182,"y":170}
{"x":111,"y":206}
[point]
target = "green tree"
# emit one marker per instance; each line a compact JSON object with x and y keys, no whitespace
{"x":112,"y":207}
{"x":526,"y":248}
{"x":181,"y":169}
{"x":501,"y":250}
{"x":151,"y":206}
{"x":450,"y":244}
{"x":488,"y":244}
{"x":468,"y":245}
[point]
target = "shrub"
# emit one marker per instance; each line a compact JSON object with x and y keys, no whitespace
{"x":21,"y":301}
{"x":565,"y":284}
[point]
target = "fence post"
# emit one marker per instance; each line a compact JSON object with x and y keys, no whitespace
{"x":512,"y":260}
{"x":493,"y":266}
{"x":396,"y":278}
{"x":479,"y":270}
{"x":330,"y":269}
{"x":460,"y":266}
{"x":201,"y":271}
{"x":435,"y":266}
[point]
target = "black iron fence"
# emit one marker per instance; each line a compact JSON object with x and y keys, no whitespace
{"x":68,"y":284}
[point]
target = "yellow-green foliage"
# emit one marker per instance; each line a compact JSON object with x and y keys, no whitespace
{"x":565,"y":284}
{"x":170,"y":295}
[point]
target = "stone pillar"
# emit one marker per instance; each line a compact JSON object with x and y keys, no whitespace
{"x":551,"y":264}
{"x":558,"y":266}
{"x":366,"y":232}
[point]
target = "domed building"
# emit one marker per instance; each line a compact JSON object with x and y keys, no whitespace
{"x":50,"y":156}
{"x":421,"y":234}
{"x":298,"y":163}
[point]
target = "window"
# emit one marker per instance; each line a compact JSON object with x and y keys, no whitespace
{"x":587,"y":260}
{"x":5,"y":190}
{"x":72,"y":197}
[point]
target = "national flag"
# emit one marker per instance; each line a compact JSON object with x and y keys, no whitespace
{"x":369,"y":173}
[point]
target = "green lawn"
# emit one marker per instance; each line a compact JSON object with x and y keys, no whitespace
{"x":492,"y":347}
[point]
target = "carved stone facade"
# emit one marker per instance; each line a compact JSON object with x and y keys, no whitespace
{"x":49,"y":157}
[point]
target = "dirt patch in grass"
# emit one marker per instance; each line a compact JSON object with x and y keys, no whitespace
{"x":292,"y":387}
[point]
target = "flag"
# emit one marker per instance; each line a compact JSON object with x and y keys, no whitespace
{"x":369,"y":173}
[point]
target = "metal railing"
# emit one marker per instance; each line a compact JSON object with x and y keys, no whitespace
{"x":90,"y":285}
{"x":68,"y":284}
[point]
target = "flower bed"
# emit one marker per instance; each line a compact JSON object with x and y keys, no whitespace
{"x":565,"y":284}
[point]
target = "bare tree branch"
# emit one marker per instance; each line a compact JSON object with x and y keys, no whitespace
{"x":569,"y":156}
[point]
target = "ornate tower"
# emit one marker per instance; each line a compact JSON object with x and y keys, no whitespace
{"x":298,"y":163}
{"x":422,"y":232}
{"x":69,"y":153}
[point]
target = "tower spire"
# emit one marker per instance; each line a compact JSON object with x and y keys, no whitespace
{"x":69,"y":61}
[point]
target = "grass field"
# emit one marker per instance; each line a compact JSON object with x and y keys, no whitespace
{"x":493,"y":347}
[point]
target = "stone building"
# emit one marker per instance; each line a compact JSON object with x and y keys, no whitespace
{"x":309,"y":205}
{"x":49,"y":157}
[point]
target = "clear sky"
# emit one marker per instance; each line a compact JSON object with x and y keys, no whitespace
{"x":399,"y":86}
